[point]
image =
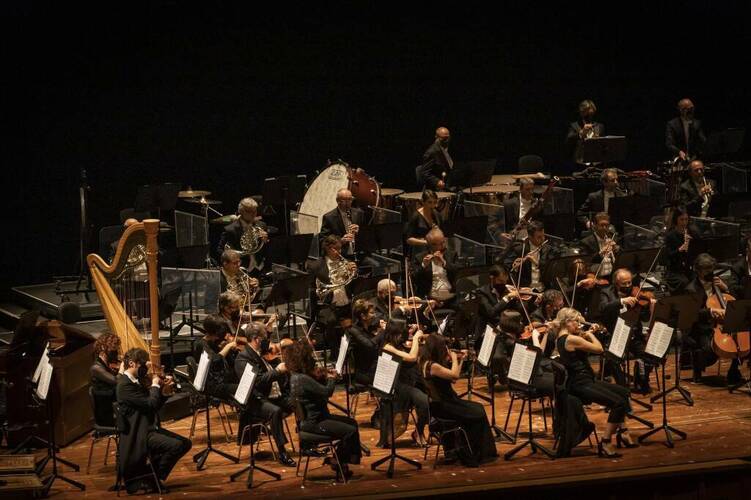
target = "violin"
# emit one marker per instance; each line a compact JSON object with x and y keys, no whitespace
{"x":275,"y":349}
{"x":590,"y":280}
{"x":540,"y":327}
{"x":644,"y":297}
{"x":524,"y":293}
{"x":411,"y":302}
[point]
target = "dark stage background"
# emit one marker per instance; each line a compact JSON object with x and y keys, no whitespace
{"x":220,"y":97}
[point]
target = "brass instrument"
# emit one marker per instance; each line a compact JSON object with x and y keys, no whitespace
{"x":686,"y":239}
{"x":588,"y":133}
{"x":340,"y":275}
{"x":706,"y":197}
{"x":241,"y":286}
{"x":250,"y":241}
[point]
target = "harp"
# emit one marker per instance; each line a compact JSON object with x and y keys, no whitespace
{"x":128,"y":291}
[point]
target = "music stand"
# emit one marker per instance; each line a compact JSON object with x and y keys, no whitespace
{"x":286,"y":190}
{"x":607,"y":149}
{"x":288,"y":249}
{"x":373,"y":238}
{"x":287,"y":291}
{"x":473,"y":228}
{"x":489,"y":343}
{"x":737,"y":320}
{"x":471,"y":173}
{"x":637,"y":261}
{"x":160,"y":197}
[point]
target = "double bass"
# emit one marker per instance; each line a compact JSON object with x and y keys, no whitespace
{"x":726,"y":345}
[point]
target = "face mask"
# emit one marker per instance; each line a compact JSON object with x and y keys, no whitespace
{"x":143,"y":370}
{"x":444,"y":142}
{"x":264,"y":346}
{"x":235,"y":315}
{"x":112,"y":357}
{"x":625,"y":290}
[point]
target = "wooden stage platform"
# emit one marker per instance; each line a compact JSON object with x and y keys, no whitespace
{"x":714,"y":462}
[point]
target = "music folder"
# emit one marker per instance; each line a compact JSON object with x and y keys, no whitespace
{"x":523,"y":365}
{"x":387,"y":370}
{"x":245,"y":387}
{"x":202,"y":372}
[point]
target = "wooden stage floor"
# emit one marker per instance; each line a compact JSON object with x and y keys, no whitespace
{"x":718,"y":427}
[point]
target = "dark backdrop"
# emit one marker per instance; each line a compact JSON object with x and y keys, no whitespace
{"x":220,"y":97}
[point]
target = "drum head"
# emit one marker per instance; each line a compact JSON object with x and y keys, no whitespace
{"x":321,"y":197}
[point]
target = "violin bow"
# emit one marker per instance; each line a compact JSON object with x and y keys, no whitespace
{"x":524,"y":308}
{"x":560,"y":287}
{"x":649,"y":271}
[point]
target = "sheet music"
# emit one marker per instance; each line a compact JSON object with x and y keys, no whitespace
{"x":522,"y":364}
{"x":619,"y":340}
{"x":45,"y":378}
{"x":202,"y":372}
{"x":486,"y":349}
{"x":442,"y":326}
{"x":385,"y":373}
{"x":343,"y":346}
{"x":659,"y":340}
{"x":44,"y":359}
{"x":242,"y":393}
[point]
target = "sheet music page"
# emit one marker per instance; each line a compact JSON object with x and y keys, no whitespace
{"x":619,"y":339}
{"x":202,"y":372}
{"x":486,"y":349}
{"x":44,"y":359}
{"x":659,"y":340}
{"x":343,"y":346}
{"x":442,"y":326}
{"x":242,"y":393}
{"x":385,"y":373}
{"x":522,"y":364}
{"x":45,"y":378}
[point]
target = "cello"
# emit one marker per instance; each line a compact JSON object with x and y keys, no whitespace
{"x":726,"y":345}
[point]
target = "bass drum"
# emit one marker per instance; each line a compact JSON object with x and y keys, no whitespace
{"x":365,"y":189}
{"x":321,"y":197}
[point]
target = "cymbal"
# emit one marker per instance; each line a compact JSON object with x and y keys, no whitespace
{"x":203,"y":201}
{"x":227,"y":219}
{"x":190,"y":193}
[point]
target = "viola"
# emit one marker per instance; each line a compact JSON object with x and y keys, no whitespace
{"x":275,"y":350}
{"x":525,"y":293}
{"x":540,"y":327}
{"x":590,"y":280}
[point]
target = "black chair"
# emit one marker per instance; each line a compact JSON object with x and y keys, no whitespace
{"x":100,"y":432}
{"x":440,"y":427}
{"x":530,"y":164}
{"x":119,"y":427}
{"x":527,"y":399}
{"x":311,"y":445}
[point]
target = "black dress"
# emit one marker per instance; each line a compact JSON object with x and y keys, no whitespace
{"x":103,"y":384}
{"x":445,"y":403}
{"x":418,"y":227}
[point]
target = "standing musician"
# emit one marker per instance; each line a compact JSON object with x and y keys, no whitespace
{"x":599,"y":201}
{"x":582,"y":129}
{"x":104,"y":373}
{"x":344,"y":221}
{"x":678,"y":272}
{"x":436,"y":163}
{"x":267,"y":403}
{"x":531,"y":255}
{"x":695,"y":193}
{"x":434,"y":271}
{"x":140,"y":433}
{"x":425,"y":218}
{"x":602,"y":245}
{"x":741,"y":269}
{"x":516,"y":207}
{"x":218,"y":344}
{"x":332,"y":303}
{"x":684,"y":136}
{"x":232,"y":235}
{"x":574,"y":347}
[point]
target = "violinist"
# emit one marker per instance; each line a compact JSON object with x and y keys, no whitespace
{"x":741,"y":273}
{"x":581,"y":286}
{"x":365,"y":340}
{"x":541,"y":335}
{"x":267,"y":403}
{"x":678,"y":272}
{"x":599,"y":201}
{"x":104,"y":373}
{"x":551,"y":302}
{"x":516,"y":207}
{"x":696,"y":192}
{"x":531,"y":254}
{"x":218,"y":344}
{"x":434,"y":271}
{"x":385,"y":302}
{"x":602,"y":246}
{"x":425,"y":218}
{"x":494,"y":298}
{"x":141,"y":435}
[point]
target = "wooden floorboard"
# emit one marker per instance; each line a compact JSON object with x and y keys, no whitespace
{"x":718,"y":427}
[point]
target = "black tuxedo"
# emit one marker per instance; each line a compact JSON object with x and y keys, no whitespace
{"x":433,"y":165}
{"x":573,"y":141}
{"x":364,"y":347}
{"x":520,"y":249}
{"x":690,"y":197}
{"x":140,"y":434}
{"x":594,"y":204}
{"x":676,"y":140}
{"x":332,"y":223}
{"x":489,"y":309}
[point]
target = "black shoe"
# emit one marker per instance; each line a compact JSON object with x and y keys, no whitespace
{"x":137,"y":486}
{"x":343,"y":475}
{"x":620,"y":441}
{"x":602,"y":452}
{"x":285,"y":459}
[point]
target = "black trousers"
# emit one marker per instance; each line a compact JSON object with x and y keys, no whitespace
{"x":166,"y":448}
{"x":406,"y":397}
{"x":273,"y":412}
{"x":342,"y":428}
{"x":613,"y":396}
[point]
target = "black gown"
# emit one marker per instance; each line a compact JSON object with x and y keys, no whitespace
{"x":103,"y":384}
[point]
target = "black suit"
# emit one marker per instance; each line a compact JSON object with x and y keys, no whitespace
{"x":590,"y":246}
{"x":689,"y":196}
{"x":364,"y":347}
{"x":489,"y":313}
{"x":430,"y":171}
{"x":333,"y":223}
{"x":520,"y":249}
{"x":231,"y":237}
{"x":594,"y":204}
{"x":699,"y":338}
{"x":511,"y":212}
{"x":140,"y":434}
{"x":676,"y":140}
{"x":573,"y":140}
{"x":740,"y":287}
{"x":325,"y":312}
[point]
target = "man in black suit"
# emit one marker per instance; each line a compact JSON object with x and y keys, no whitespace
{"x":532,"y":255}
{"x":493,"y":299}
{"x":140,"y":433}
{"x":436,"y":163}
{"x":601,"y":246}
{"x":551,"y":302}
{"x":267,"y":403}
{"x":516,"y":207}
{"x":599,"y":201}
{"x":741,"y":274}
{"x":684,"y":136}
{"x":434,"y":271}
{"x":582,"y":129}
{"x":344,"y":221}
{"x":695,"y":193}
{"x":247,"y":210}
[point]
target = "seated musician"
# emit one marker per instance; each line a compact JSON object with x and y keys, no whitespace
{"x":436,"y":163}
{"x":531,"y":254}
{"x":434,"y":272}
{"x":582,"y":129}
{"x":678,"y":272}
{"x":228,"y":307}
{"x":365,"y":340}
{"x":267,"y":403}
{"x":511,"y":328}
{"x":343,"y":221}
{"x":104,"y":373}
{"x":385,"y":304}
{"x":574,"y":347}
{"x":441,"y":368}
{"x":425,"y":218}
{"x":312,"y":389}
{"x":140,"y":433}
{"x":516,"y":207}
{"x":741,"y":273}
{"x":232,"y":236}
{"x":599,"y":201}
{"x":551,"y":302}
{"x":541,"y":336}
{"x":218,"y":344}
{"x":695,"y":193}
{"x":493,"y":299}
{"x":332,"y":302}
{"x":602,"y":245}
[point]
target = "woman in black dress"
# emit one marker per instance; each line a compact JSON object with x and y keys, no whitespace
{"x":423,"y":220}
{"x":574,"y":348}
{"x":678,"y":272}
{"x":441,"y":368}
{"x":104,"y":377}
{"x":312,"y":389}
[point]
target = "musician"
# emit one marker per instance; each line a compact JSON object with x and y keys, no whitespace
{"x":602,"y":245}
{"x":695,"y":193}
{"x":248,"y":220}
{"x":344,"y":221}
{"x":599,"y":201}
{"x":551,"y":302}
{"x":217,"y":343}
{"x":436,"y":163}
{"x":493,"y":299}
{"x":741,"y":274}
{"x":233,"y":278}
{"x":312,"y":390}
{"x":441,"y":368}
{"x":425,"y":218}
{"x":267,"y":403}
{"x":434,"y":271}
{"x":582,"y":129}
{"x":331,"y":304}
{"x":678,"y":272}
{"x":684,"y":136}
{"x":516,"y":207}
{"x":140,"y":432}
{"x":364,"y":340}
{"x":384,"y":304}
{"x":532,"y":255}
{"x":104,"y":373}
{"x":574,"y":347}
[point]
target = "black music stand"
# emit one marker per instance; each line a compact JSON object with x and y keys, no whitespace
{"x":471,"y":173}
{"x":373,"y":238}
{"x":287,"y":291}
{"x":473,"y":228}
{"x":286,"y":190}
{"x":289,"y":249}
{"x":393,"y":455}
{"x":500,"y":434}
{"x":528,"y":387}
{"x":738,"y":319}
{"x":159,"y":197}
{"x":607,"y":149}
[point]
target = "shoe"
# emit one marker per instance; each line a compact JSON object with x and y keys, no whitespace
{"x":285,"y":459}
{"x":343,"y":475}
{"x":602,"y":452}
{"x":621,"y":441}
{"x":137,"y":486}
